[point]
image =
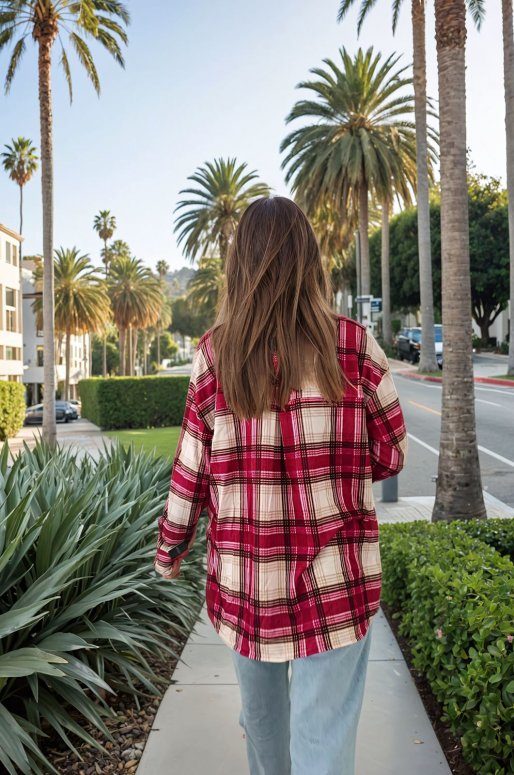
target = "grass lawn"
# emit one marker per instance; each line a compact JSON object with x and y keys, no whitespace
{"x":160,"y":441}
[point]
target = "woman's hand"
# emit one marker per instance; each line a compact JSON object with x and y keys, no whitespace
{"x":168,"y":571}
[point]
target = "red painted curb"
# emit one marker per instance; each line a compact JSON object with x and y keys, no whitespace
{"x":481,"y":380}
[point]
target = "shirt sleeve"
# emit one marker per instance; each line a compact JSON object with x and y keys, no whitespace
{"x":189,"y":485}
{"x":387,"y":434}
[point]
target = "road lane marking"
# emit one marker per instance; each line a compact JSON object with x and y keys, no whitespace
{"x":491,"y":403}
{"x":426,"y":408}
{"x":495,"y":455}
{"x":423,"y":444}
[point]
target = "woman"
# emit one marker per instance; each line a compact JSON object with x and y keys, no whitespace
{"x":291,"y":414}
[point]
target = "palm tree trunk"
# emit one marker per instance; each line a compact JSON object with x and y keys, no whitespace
{"x":364,"y":240}
{"x":45,"y":113}
{"x":508,"y":80}
{"x":21,"y":224}
{"x":387,"y":333}
{"x":134,"y":350}
{"x":427,"y":360}
{"x":122,"y":352}
{"x":145,"y":363}
{"x":67,"y":357}
{"x":129,"y":335}
{"x":104,"y":353}
{"x":459,"y":489}
{"x":159,"y":346}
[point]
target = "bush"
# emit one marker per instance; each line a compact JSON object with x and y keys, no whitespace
{"x":454,"y":596}
{"x":134,"y":402}
{"x":12,"y":408}
{"x":498,"y":533}
{"x":81,"y":608}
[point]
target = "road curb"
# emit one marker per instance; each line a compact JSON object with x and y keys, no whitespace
{"x":480,"y":380}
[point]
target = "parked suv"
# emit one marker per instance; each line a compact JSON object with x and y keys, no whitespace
{"x":408,"y":344}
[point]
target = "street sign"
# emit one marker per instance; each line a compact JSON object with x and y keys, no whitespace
{"x":376,"y":305}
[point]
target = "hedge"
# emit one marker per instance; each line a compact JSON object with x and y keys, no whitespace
{"x":12,"y":408}
{"x":498,"y":533}
{"x":454,"y":596}
{"x":134,"y":402}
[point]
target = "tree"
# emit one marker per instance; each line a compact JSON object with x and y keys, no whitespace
{"x":168,"y":347}
{"x":105,"y":225}
{"x":205,"y":286}
{"x":508,"y":82}
{"x":362,"y":141}
{"x":459,"y":488}
{"x":189,"y":321}
{"x":136,"y":299}
{"x":45,"y":22}
{"x":81,"y":302}
{"x":20,"y":162}
{"x":427,"y":356}
{"x":488,"y":250}
{"x":223,"y":191}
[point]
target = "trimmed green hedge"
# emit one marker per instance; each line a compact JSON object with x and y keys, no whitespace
{"x":498,"y":533}
{"x":12,"y":408}
{"x":454,"y":596}
{"x":134,"y":402}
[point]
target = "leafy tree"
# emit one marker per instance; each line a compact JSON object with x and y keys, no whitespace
{"x":168,"y":348}
{"x":187,"y":320}
{"x":113,"y":355}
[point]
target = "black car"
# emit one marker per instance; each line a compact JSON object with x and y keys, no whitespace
{"x":64,"y":412}
{"x":408,"y":344}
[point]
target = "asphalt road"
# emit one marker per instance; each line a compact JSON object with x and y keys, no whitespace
{"x":421,"y":405}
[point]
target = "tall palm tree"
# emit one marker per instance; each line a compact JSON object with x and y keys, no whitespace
{"x":81,"y":301}
{"x":360,"y":141}
{"x":222,"y":192}
{"x":508,"y":81}
{"x":105,"y":225}
{"x":459,"y":489}
{"x":20,"y":162}
{"x":428,"y":360}
{"x":45,"y":22}
{"x":136,"y":299}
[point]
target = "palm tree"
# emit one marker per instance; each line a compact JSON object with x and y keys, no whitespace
{"x":360,"y":142}
{"x":81,"y":302}
{"x":136,"y":299}
{"x":459,"y":489}
{"x":428,"y":360}
{"x":20,"y":162}
{"x":45,"y":22}
{"x":204,"y":287}
{"x":105,"y":225}
{"x":508,"y":81}
{"x":222,"y":192}
{"x":162,"y":270}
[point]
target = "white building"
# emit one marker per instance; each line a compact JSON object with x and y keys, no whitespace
{"x":11,"y":337}
{"x":33,"y":347}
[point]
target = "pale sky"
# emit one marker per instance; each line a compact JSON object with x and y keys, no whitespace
{"x":207,"y":79}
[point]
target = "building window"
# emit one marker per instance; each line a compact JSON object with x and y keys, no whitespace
{"x":10,"y":309}
{"x":11,"y":253}
{"x":39,"y":354}
{"x":12,"y":353}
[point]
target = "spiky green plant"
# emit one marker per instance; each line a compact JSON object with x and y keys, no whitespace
{"x":81,"y":608}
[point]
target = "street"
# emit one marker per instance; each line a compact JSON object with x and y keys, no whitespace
{"x":421,"y":405}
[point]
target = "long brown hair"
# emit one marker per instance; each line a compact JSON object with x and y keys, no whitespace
{"x":275,"y":300}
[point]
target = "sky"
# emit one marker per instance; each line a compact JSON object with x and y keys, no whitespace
{"x":202,"y":80}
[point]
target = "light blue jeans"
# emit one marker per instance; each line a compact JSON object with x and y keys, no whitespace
{"x":305,"y":724}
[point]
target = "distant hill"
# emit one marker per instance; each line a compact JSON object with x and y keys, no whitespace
{"x":178,"y":280}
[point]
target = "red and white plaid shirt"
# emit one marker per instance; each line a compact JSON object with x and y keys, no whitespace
{"x":293,"y":558}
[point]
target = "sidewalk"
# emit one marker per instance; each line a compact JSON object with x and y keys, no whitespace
{"x":196,"y":730}
{"x":81,"y":435}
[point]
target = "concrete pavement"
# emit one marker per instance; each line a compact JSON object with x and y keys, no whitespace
{"x":196,"y":730}
{"x":81,"y":435}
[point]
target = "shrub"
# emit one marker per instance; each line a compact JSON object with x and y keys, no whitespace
{"x":12,"y":408}
{"x":134,"y":402}
{"x":498,"y":533}
{"x":454,"y":596}
{"x":81,"y":608}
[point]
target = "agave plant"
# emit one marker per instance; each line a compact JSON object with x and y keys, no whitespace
{"x":80,"y":606}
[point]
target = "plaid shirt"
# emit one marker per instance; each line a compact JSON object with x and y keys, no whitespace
{"x":293,"y":558}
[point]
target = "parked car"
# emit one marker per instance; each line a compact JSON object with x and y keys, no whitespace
{"x":408,"y":344}
{"x":75,"y":403}
{"x":64,"y":412}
